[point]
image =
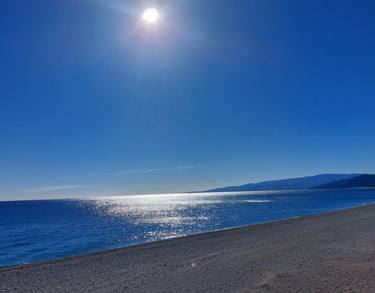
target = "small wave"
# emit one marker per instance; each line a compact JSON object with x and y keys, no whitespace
{"x":256,"y":200}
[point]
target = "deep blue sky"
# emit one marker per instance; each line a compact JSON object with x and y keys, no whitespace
{"x":92,"y":102}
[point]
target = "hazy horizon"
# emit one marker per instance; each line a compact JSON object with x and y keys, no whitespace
{"x":72,"y":195}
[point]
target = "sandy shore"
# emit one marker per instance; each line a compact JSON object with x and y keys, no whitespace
{"x":333,"y":252}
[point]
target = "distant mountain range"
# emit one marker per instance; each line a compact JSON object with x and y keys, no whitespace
{"x":309,"y":182}
{"x":365,"y":180}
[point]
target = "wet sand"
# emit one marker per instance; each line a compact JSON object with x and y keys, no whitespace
{"x":332,"y":252}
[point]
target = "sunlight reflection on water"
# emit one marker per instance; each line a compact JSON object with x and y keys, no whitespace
{"x":171,"y":212}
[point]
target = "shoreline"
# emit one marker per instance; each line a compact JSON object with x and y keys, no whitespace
{"x":66,"y":258}
{"x":217,"y":253}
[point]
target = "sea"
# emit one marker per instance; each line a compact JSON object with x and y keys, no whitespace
{"x":40,"y":230}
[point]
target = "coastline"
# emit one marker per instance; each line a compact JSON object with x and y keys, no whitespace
{"x":110,"y":250}
{"x":327,"y":252}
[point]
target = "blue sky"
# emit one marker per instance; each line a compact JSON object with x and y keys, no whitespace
{"x":93,"y":102}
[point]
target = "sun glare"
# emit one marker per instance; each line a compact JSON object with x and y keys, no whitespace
{"x":150,"y":15}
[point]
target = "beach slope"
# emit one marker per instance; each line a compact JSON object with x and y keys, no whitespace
{"x":332,"y":252}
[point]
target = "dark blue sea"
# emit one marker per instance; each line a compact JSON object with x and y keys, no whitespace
{"x":32,"y":231}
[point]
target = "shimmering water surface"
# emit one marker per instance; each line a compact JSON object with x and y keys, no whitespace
{"x":40,"y":230}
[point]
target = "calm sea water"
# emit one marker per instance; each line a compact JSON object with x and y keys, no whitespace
{"x":40,"y":230}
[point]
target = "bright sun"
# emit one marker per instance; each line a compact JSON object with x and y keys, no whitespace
{"x":150,"y":15}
